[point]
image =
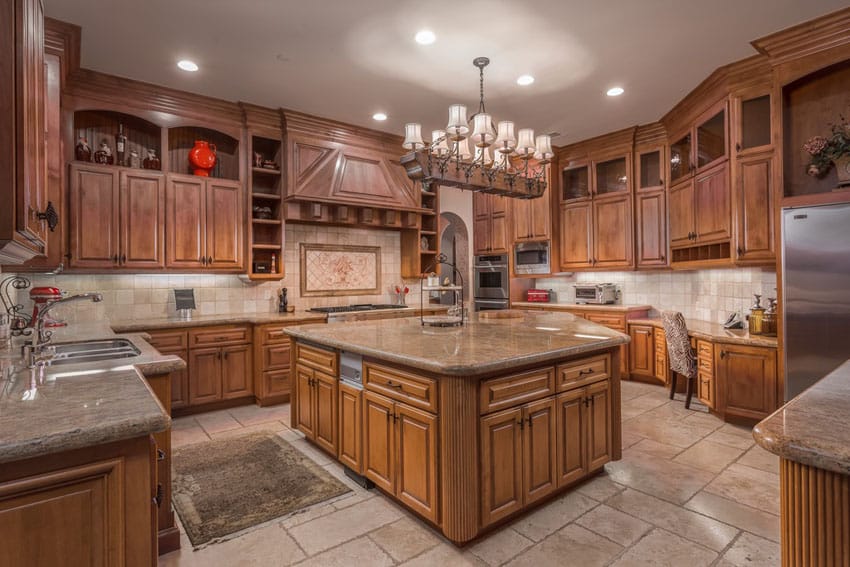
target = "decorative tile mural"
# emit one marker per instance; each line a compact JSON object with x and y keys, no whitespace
{"x":329,"y":269}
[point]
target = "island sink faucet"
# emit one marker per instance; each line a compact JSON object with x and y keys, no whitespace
{"x":34,"y":352}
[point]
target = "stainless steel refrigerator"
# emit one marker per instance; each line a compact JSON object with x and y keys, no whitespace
{"x":816,"y":292}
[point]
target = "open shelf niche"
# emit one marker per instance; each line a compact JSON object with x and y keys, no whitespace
{"x":181,"y":140}
{"x":97,"y":126}
{"x":267,"y":226}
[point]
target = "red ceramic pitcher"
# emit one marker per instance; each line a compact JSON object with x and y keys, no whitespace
{"x":202,"y":158}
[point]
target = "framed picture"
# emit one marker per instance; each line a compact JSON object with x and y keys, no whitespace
{"x":331,"y":269}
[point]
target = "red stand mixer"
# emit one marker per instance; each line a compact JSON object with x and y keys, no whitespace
{"x":42,"y":296}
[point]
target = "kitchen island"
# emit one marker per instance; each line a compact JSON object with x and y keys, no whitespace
{"x":467,"y":426}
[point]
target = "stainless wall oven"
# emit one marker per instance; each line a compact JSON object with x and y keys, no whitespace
{"x":491,"y":281}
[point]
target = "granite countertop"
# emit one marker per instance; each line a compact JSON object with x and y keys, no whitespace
{"x":130,"y":325}
{"x":715,"y":332}
{"x":812,"y":428}
{"x":481,"y":346}
{"x":79,"y":405}
{"x":582,"y":306}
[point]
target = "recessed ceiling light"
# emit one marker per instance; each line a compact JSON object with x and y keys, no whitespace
{"x":187,"y":65}
{"x":379,"y":116}
{"x":425,"y":37}
{"x":615,"y":91}
{"x":525,"y":80}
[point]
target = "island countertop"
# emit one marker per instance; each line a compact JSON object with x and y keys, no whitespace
{"x":487,"y":343}
{"x":812,"y":428}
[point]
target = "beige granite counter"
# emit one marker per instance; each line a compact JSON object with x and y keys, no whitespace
{"x":481,"y":346}
{"x":812,"y":428}
{"x":581,"y":306}
{"x":79,"y":405}
{"x":131,"y":325}
{"x":715,"y":332}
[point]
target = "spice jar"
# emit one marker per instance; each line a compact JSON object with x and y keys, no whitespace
{"x":768,"y":324}
{"x":756,"y":316}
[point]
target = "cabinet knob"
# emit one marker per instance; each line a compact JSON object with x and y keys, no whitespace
{"x":521,"y":423}
{"x":50,"y":215}
{"x":740,"y":251}
{"x":722,"y":354}
{"x":737,"y":147}
{"x":209,"y":260}
{"x":123,"y":258}
{"x":663,"y":259}
{"x":160,"y":455}
{"x":202,"y":260}
{"x":115,"y":258}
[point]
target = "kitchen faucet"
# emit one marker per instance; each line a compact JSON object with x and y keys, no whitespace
{"x":34,"y":352}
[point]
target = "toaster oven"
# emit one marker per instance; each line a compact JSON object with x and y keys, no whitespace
{"x":599,"y":294}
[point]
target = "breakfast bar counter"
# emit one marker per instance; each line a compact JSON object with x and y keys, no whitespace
{"x":470,"y":426}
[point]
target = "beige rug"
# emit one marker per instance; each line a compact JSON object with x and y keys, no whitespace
{"x":224,"y":486}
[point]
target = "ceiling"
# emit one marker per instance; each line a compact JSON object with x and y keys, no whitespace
{"x":349,"y":59}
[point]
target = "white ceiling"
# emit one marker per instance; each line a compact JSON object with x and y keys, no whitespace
{"x":347,"y":59}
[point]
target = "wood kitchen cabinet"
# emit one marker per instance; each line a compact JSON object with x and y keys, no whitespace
{"x":351,"y":427}
{"x":662,"y":364}
{"x":651,"y":229}
{"x":126,"y":208}
{"x":747,"y":380}
{"x":318,"y":410}
{"x":700,"y":209}
{"x":174,"y":343}
{"x":642,"y":351}
{"x":706,"y":386}
{"x":272,"y":353}
{"x":23,"y":168}
{"x":576,"y":236}
{"x":204,"y":223}
{"x":220,"y":364}
{"x":491,"y":232}
{"x":532,"y":218}
{"x":754,"y":209}
{"x":612,"y":233}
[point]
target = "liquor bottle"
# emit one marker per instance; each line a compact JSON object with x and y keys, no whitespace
{"x":274,"y":264}
{"x":120,"y":143}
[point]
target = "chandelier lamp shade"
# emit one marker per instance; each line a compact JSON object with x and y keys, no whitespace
{"x":516,"y":168}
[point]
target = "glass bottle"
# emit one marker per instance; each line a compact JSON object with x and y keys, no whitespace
{"x":120,"y":144}
{"x":756,"y":316}
{"x":769,"y":319}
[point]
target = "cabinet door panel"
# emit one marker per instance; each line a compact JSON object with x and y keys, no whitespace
{"x":641,"y":350}
{"x":501,"y":465}
{"x":571,"y":436}
{"x":326,"y":388}
{"x":481,"y":235}
{"x":185,"y":224}
{"x":522,"y":219}
{"x":747,"y":377}
{"x":599,"y":425}
{"x":711,"y":198}
{"x":179,"y":379}
{"x":142,"y":220}
{"x":539,"y":454}
{"x":480,"y":206}
{"x":94,"y":221}
{"x":350,"y":431}
{"x":755,"y":210}
{"x":224,"y":223}
{"x":417,"y":460}
{"x":236,"y":371}
{"x":682,"y":222}
{"x":651,"y":229}
{"x":576,"y":237}
{"x":541,"y":217}
{"x":612,"y":232}
{"x":204,"y":376}
{"x":306,"y":421}
{"x":706,"y":388}
{"x":499,"y":233}
{"x":379,"y":441}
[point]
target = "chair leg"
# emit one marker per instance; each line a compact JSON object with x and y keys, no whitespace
{"x":690,"y":392}
{"x":673,"y":376}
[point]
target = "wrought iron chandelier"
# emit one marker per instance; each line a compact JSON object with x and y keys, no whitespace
{"x":447,"y":159}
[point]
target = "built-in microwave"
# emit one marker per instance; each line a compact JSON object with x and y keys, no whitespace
{"x":531,"y":258}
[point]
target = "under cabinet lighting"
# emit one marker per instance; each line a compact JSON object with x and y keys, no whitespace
{"x":187,"y":65}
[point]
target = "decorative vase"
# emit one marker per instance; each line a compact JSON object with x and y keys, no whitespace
{"x":202,"y":158}
{"x":842,"y":167}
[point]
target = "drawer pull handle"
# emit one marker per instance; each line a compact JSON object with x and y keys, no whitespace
{"x":391,"y":384}
{"x":160,"y":455}
{"x":585,"y":371}
{"x":159,"y":493}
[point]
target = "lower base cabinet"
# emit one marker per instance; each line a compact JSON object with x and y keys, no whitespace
{"x":746,"y":376}
{"x":318,"y":407}
{"x":350,"y":427}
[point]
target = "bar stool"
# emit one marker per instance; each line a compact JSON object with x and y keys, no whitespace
{"x":683,"y":360}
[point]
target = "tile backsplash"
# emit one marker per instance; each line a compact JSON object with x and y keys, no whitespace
{"x":709,"y":295}
{"x":140,"y":295}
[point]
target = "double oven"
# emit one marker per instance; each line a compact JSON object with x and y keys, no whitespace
{"x":491,"y":279}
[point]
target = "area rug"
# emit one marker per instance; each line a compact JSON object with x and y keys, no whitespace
{"x":225,"y":486}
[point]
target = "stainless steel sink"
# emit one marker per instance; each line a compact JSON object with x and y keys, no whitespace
{"x":93,"y":351}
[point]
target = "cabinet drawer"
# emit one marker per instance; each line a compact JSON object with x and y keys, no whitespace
{"x":418,"y":391}
{"x":615,"y":322}
{"x":581,"y":372}
{"x":660,"y":341}
{"x":705,"y":350}
{"x":218,"y":336}
{"x":508,"y":391}
{"x":276,"y":382}
{"x":273,"y":335}
{"x":318,"y":358}
{"x":276,"y":356}
{"x":169,"y":339}
{"x":705,"y":366}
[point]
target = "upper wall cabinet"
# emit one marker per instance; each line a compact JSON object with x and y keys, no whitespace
{"x":703,"y":145}
{"x":23,"y":169}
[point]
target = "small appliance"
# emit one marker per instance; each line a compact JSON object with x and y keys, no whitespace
{"x":41,"y":297}
{"x":531,"y":258}
{"x":539,"y":295}
{"x":491,"y":282}
{"x":598,"y":294}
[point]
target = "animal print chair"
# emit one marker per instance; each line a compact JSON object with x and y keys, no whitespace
{"x":683,"y":360}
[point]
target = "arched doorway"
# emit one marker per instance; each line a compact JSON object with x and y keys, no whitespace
{"x":454,"y":243}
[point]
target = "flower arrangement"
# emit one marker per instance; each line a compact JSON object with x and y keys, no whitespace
{"x":825,"y":151}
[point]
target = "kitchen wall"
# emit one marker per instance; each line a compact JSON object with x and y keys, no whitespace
{"x":140,"y":296}
{"x":709,"y":295}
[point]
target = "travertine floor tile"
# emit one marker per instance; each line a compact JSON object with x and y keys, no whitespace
{"x":187,"y":436}
{"x":749,"y":486}
{"x":553,"y":516}
{"x":445,"y":555}
{"x":615,"y":525}
{"x":756,"y":521}
{"x":361,"y":551}
{"x":342,"y":525}
{"x":655,"y":449}
{"x":761,"y":459}
{"x":600,"y":488}
{"x":753,"y":551}
{"x":187,"y":422}
{"x":663,"y":549}
{"x":696,"y":527}
{"x":269,"y":545}
{"x":670,"y":481}
{"x":630,"y":390}
{"x":500,"y":547}
{"x":217,"y":421}
{"x":269,"y":427}
{"x":252,"y":415}
{"x":709,"y":456}
{"x":405,"y":538}
{"x":572,"y":545}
